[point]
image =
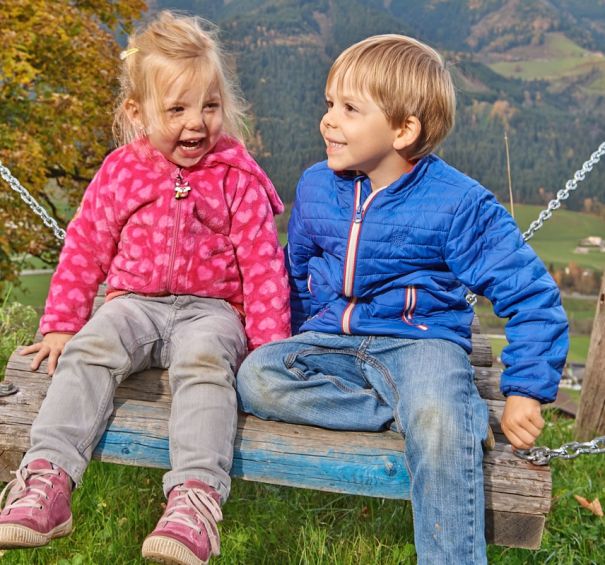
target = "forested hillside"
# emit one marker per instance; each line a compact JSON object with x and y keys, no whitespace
{"x":534,"y":68}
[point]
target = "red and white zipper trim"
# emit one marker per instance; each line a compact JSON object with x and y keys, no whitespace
{"x":351,"y":255}
{"x":346,"y":316}
{"x":410,"y":306}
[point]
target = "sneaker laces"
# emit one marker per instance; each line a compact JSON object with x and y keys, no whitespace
{"x":26,"y":495}
{"x":193,"y":505}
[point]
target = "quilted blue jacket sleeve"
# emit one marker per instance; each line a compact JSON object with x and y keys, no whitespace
{"x":486,"y":251}
{"x":299,"y":251}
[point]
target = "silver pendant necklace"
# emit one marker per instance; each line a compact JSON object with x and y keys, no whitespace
{"x":181,"y":186}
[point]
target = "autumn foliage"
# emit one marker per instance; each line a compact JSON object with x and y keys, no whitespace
{"x":58,"y":78}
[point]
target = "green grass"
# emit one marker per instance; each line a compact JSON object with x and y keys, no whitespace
{"x":32,"y":291}
{"x":17,"y":327}
{"x":557,"y":59}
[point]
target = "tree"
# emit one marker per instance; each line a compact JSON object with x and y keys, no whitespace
{"x":58,"y":81}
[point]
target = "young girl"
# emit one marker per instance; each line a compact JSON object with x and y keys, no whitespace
{"x":179,"y":222}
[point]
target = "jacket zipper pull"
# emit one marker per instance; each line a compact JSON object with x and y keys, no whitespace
{"x":358,"y":214}
{"x":181,"y":186}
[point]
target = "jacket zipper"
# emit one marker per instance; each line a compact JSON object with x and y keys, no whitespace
{"x":351,"y":254}
{"x":175,"y":238}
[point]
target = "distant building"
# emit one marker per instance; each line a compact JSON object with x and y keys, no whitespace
{"x":592,"y":241}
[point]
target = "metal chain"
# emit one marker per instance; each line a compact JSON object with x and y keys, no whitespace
{"x":555,"y":204}
{"x":563,"y":194}
{"x":29,"y":200}
{"x":542,"y":455}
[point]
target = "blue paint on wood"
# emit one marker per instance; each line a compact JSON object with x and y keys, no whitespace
{"x":379,"y":473}
{"x":133,"y":448}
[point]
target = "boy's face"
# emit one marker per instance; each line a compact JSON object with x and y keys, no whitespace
{"x":359,"y":137}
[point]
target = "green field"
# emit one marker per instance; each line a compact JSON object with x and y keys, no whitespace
{"x":578,"y":347}
{"x":558,"y":58}
{"x":556,"y":241}
{"x":33,"y":290}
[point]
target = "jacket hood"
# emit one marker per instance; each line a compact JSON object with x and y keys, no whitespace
{"x":229,"y":150}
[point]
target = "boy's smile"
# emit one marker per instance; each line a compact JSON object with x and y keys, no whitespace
{"x":359,"y":137}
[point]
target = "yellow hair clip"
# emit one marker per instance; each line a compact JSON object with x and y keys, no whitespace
{"x":127,"y":52}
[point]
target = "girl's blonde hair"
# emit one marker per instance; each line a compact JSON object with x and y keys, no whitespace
{"x":169,"y":47}
{"x":405,"y":78}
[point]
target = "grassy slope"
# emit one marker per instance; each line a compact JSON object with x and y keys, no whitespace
{"x":557,"y":239}
{"x":557,"y":59}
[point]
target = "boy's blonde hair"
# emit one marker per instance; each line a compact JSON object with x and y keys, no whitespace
{"x":169,"y":47}
{"x":405,"y":78}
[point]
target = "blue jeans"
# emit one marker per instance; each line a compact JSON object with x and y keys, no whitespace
{"x":424,"y":388}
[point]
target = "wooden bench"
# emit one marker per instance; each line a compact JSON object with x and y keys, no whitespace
{"x":518,"y":494}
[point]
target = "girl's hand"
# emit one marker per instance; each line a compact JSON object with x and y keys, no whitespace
{"x":522,"y":421}
{"x":51,"y":346}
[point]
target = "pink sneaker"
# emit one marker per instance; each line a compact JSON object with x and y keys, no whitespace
{"x":37,"y":506}
{"x":187,"y":533}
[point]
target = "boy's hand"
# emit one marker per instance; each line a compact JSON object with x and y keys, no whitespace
{"x":51,"y":346}
{"x":522,"y":421}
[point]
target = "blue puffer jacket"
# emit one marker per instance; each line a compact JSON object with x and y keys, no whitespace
{"x":396,"y":262}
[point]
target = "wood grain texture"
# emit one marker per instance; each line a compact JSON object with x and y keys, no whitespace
{"x":9,"y":461}
{"x":591,"y":414}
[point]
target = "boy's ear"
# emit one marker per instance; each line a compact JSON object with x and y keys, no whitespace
{"x":407,"y":134}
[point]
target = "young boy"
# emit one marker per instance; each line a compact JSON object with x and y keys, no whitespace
{"x":383,"y":242}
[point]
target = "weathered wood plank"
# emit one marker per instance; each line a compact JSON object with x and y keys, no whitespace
{"x":591,"y":414}
{"x":9,"y":460}
{"x":153,"y":384}
{"x":514,"y":529}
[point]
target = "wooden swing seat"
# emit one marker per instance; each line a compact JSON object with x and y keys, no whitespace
{"x":518,"y":494}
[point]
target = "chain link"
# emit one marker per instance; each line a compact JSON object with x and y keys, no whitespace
{"x":542,"y":455}
{"x":555,"y":204}
{"x":29,"y":200}
{"x":563,"y":194}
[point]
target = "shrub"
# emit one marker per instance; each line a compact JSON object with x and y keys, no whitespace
{"x":17,"y":326}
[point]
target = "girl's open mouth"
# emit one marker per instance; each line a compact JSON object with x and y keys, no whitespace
{"x":191,"y":144}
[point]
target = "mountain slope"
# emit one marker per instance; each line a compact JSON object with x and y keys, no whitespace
{"x":283,"y":50}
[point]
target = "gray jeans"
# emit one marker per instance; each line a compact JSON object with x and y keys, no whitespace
{"x":200,"y":341}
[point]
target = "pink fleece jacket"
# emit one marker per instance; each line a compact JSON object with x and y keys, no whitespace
{"x":219,"y":241}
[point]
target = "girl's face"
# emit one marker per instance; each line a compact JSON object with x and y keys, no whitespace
{"x":190,"y":125}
